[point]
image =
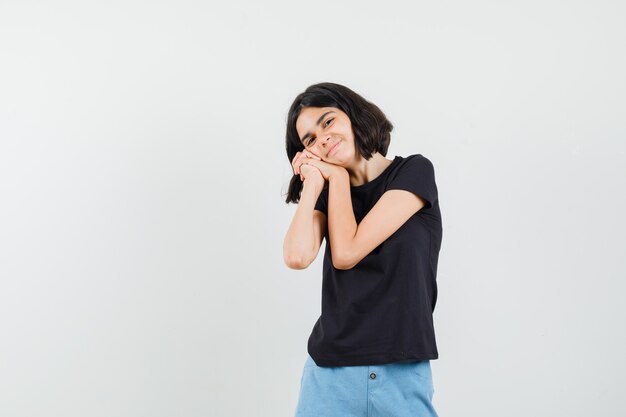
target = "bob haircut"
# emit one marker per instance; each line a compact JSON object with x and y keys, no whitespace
{"x":370,"y":126}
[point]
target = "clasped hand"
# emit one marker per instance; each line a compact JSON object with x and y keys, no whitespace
{"x":308,"y":165}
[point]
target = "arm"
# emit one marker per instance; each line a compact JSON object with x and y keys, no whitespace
{"x":351,"y":243}
{"x":304,"y":236}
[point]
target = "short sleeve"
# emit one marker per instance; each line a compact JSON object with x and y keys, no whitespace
{"x":322,"y":202}
{"x":417,"y":175}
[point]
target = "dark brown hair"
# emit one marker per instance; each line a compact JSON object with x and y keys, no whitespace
{"x":370,"y":126}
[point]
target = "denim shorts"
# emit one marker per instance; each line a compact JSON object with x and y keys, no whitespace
{"x":391,"y":390}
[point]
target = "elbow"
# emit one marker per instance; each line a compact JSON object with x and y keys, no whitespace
{"x":342,"y":266}
{"x":295,"y":262}
{"x":342,"y":262}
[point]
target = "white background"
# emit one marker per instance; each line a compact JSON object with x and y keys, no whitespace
{"x":142,"y":214}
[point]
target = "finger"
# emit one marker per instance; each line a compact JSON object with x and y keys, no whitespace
{"x":315,"y":156}
{"x":301,"y":158}
{"x":294,"y":163}
{"x":295,"y":158}
{"x":300,"y":161}
{"x":298,"y":164}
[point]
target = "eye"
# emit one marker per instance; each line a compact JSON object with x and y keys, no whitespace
{"x":312,"y":139}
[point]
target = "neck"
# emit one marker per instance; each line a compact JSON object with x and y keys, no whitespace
{"x":364,"y":171}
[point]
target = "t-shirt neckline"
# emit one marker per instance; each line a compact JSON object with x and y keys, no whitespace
{"x":378,"y":178}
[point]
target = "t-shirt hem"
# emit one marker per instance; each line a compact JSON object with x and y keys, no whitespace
{"x":379,"y":359}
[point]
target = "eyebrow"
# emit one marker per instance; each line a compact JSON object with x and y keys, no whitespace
{"x":317,"y":123}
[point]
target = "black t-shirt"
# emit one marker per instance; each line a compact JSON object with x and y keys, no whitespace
{"x":380,"y":311}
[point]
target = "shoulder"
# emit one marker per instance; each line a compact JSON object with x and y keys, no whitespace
{"x":415,"y":173}
{"x":418,"y":158}
{"x":415,"y":163}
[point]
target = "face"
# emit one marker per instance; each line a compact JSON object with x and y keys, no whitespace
{"x":326,"y":132}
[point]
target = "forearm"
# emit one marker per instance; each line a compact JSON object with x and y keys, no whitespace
{"x":299,"y":243}
{"x":342,"y":224}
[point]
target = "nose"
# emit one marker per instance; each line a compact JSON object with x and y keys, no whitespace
{"x":325,"y":139}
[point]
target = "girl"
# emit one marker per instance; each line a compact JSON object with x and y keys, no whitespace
{"x":369,"y":352}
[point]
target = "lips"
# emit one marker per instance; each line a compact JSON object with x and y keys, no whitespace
{"x":331,"y":150}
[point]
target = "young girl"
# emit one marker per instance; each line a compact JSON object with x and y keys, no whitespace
{"x":369,"y":352}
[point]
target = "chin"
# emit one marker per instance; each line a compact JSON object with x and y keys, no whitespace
{"x":343,"y":158}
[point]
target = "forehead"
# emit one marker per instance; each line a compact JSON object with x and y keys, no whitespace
{"x":307,"y":119}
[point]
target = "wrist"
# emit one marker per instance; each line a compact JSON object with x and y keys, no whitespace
{"x":310,"y":185}
{"x":338,"y":173}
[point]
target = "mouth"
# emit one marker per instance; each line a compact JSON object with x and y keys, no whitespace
{"x":331,"y":150}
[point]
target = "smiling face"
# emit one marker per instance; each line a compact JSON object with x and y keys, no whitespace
{"x":327,"y":132}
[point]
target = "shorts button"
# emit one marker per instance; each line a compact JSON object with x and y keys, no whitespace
{"x":373,"y":375}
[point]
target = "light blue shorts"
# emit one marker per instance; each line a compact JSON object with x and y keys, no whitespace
{"x":390,"y":390}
